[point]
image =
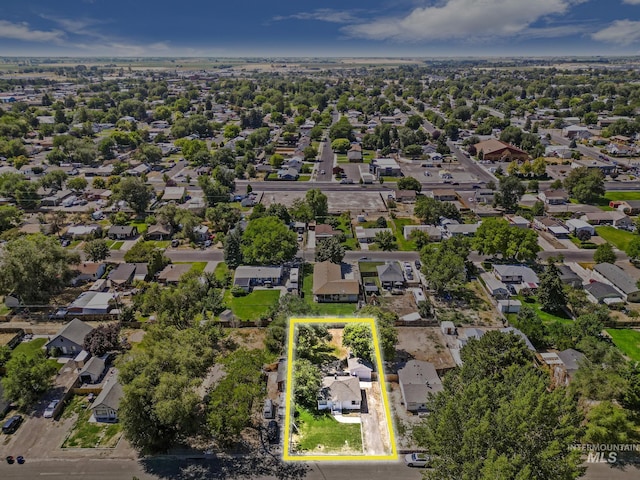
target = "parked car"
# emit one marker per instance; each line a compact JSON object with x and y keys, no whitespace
{"x":322,"y":172}
{"x":12,"y":424}
{"x":207,"y":244}
{"x":417,"y":460}
{"x":418,"y":264}
{"x":267,"y":411}
{"x":48,"y":412}
{"x":175,"y":243}
{"x":272,"y":431}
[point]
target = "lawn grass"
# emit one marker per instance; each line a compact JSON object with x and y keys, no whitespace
{"x":628,"y":341}
{"x":141,"y":226}
{"x":619,"y":238}
{"x":89,"y":435}
{"x":304,"y":178}
{"x":544,"y":316}
{"x":197,"y":267}
{"x":397,"y":225}
{"x":73,"y":244}
{"x":618,"y":195}
{"x":115,"y":245}
{"x":390,"y":179}
{"x":252,"y":306}
{"x":31,"y":349}
{"x":323,"y":430}
{"x":324,"y":309}
{"x":369,"y":267}
{"x":344,"y":225}
{"x":159,"y":243}
{"x":221,"y":271}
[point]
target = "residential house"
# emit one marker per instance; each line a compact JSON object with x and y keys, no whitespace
{"x":70,"y":339}
{"x":599,"y":292}
{"x":329,"y":286}
{"x":617,"y":219}
{"x":551,"y":225}
{"x":288,"y":174}
{"x":88,"y":272}
{"x":249,"y":276}
{"x":367,"y":235}
{"x":83,"y":231}
{"x":518,"y":221}
{"x":495,"y":150}
{"x":494,"y":286}
{"x":324,"y":231}
{"x":563,"y":364}
{"x":405,"y":196}
{"x":122,"y":232}
{"x":359,"y":368}
{"x":174,"y":194}
{"x":418,"y":381}
{"x":172,"y":273}
{"x":569,"y":277}
{"x":464,"y":229}
{"x":509,"y":306}
{"x":433,"y":232}
{"x":445,"y":195}
{"x":386,"y":167}
{"x":56,"y":198}
{"x":201,"y":233}
{"x":516,"y":274}
{"x":92,"y":303}
{"x":159,"y":231}
{"x":576,"y":132}
{"x":390,"y":275}
{"x":122,"y":275}
{"x":105,"y":406}
{"x":576,"y":225}
{"x":605,"y":167}
{"x":339,"y":393}
{"x":554,"y":197}
{"x":620,"y":280}
{"x":93,"y":370}
{"x":354,"y":155}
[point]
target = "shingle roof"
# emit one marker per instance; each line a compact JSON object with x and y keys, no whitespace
{"x":418,"y":380}
{"x":341,"y":389}
{"x":74,"y":331}
{"x":390,"y":272}
{"x":95,"y":366}
{"x":327,"y":280}
{"x":617,"y":277}
{"x":110,"y":395}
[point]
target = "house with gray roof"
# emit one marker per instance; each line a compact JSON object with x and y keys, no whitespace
{"x":105,"y":406}
{"x":418,"y":380}
{"x":70,"y":339}
{"x":570,"y":359}
{"x":249,"y":276}
{"x":93,"y":370}
{"x":340,"y":393}
{"x":390,"y":275}
{"x":569,"y":277}
{"x":515,"y":274}
{"x":599,"y":292}
{"x":359,"y":368}
{"x":620,"y":280}
{"x":122,"y":232}
{"x":122,"y":275}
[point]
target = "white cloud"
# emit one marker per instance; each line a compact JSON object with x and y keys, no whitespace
{"x":322,"y":14}
{"x":465,"y":19}
{"x":21,"y":31}
{"x":623,"y":32}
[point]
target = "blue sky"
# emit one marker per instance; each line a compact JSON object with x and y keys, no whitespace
{"x":319,"y":28}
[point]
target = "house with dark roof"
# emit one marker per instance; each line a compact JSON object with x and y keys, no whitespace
{"x":159,"y":231}
{"x":599,"y":292}
{"x":92,"y":303}
{"x":569,"y":277}
{"x":554,"y":197}
{"x":93,"y":370}
{"x":70,"y":339}
{"x":250,"y":276}
{"x":359,"y":368}
{"x":122,"y":275}
{"x":620,"y":280}
{"x":339,"y":393}
{"x":563,"y":364}
{"x":418,"y":380}
{"x":329,"y":286}
{"x":173,"y":272}
{"x":324,"y":231}
{"x":88,"y":272}
{"x":105,"y":406}
{"x":390,"y":275}
{"x":122,"y":232}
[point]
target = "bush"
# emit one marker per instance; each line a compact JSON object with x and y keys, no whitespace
{"x":237,"y":291}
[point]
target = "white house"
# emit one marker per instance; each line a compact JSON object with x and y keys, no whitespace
{"x":359,"y":368}
{"x":106,"y":405}
{"x":339,"y":393}
{"x":576,"y":225}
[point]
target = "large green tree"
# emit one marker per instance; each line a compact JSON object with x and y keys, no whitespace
{"x":604,"y":254}
{"x":444,"y":265}
{"x":268,"y":241}
{"x":385,"y":240}
{"x":585,"y":184}
{"x":27,"y":377}
{"x":499,"y":419}
{"x":318,"y":203}
{"x":550,"y":291}
{"x":10,"y":217}
{"x":329,"y":249}
{"x":307,"y":379}
{"x":135,"y":192}
{"x":409,"y":183}
{"x":509,"y":193}
{"x":429,"y":210}
{"x":34,"y":267}
{"x":496,"y":236}
{"x":96,"y":250}
{"x":358,"y":338}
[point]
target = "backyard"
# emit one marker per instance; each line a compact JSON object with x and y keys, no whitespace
{"x":85,"y":434}
{"x":619,"y":238}
{"x":628,"y":341}
{"x":397,"y":225}
{"x":32,"y":348}
{"x":253,"y":305}
{"x":328,"y":309}
{"x":322,"y":433}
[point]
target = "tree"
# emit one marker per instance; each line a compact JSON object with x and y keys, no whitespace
{"x":537,"y":209}
{"x":340,"y":145}
{"x":307,"y":379}
{"x":550,"y":292}
{"x":341,"y":129}
{"x":330,"y":249}
{"x":77,"y":184}
{"x":608,"y":423}
{"x":472,"y":431}
{"x":386,"y":241}
{"x":310,"y":153}
{"x":300,"y":211}
{"x":28,"y":376}
{"x":444,"y":266}
{"x":585,"y":184}
{"x":583,"y":235}
{"x":604,"y":254}
{"x":54,"y":179}
{"x":539,"y":167}
{"x":268,"y":241}
{"x":318,"y":203}
{"x":233,"y":248}
{"x":276,"y":160}
{"x":103,"y":339}
{"x":496,"y":236}
{"x":633,"y":249}
{"x":96,"y":250}
{"x":136,"y":193}
{"x":409,"y":183}
{"x":358,"y":338}
{"x":385,"y":326}
{"x":10,"y":217}
{"x":510,"y":191}
{"x":34,"y":267}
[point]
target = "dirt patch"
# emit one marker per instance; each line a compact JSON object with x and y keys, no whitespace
{"x":426,"y":344}
{"x":249,"y":338}
{"x":400,"y":304}
{"x":5,"y":338}
{"x":336,"y":342}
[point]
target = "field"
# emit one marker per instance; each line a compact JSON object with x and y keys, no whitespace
{"x":619,"y":238}
{"x":316,"y":430}
{"x":628,"y":341}
{"x":622,"y":195}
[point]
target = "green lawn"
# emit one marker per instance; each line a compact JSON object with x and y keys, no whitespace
{"x":159,"y":243}
{"x":142,"y":226}
{"x":254,"y":305}
{"x":115,"y":245}
{"x":628,"y":341}
{"x":89,"y":435}
{"x":350,"y":243}
{"x":323,"y":430}
{"x":197,"y":267}
{"x":32,"y":348}
{"x":544,"y":316}
{"x":390,"y":179}
{"x":369,"y":267}
{"x":221,"y":271}
{"x":622,"y":195}
{"x":324,"y":309}
{"x":304,"y":178}
{"x":619,"y":238}
{"x":74,"y":244}
{"x":397,"y":225}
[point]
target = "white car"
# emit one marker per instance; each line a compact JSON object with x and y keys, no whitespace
{"x":417,"y":460}
{"x":48,"y":412}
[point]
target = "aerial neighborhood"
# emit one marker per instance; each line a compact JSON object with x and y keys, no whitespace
{"x":160,"y":227}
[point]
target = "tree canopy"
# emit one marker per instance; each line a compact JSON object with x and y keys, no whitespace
{"x":268,"y":241}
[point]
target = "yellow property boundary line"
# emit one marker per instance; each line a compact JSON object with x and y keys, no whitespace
{"x":287,"y":456}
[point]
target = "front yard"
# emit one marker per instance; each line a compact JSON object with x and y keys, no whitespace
{"x":85,"y":434}
{"x":619,"y":238}
{"x":32,"y":347}
{"x":628,"y":341}
{"x":397,"y":225}
{"x":323,"y":434}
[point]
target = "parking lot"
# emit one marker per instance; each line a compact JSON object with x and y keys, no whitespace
{"x":458,"y":174}
{"x":339,"y":201}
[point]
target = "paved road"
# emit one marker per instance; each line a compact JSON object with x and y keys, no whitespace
{"x":471,"y":166}
{"x":326,"y":163}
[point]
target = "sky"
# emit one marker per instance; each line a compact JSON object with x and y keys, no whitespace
{"x":371,"y":28}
